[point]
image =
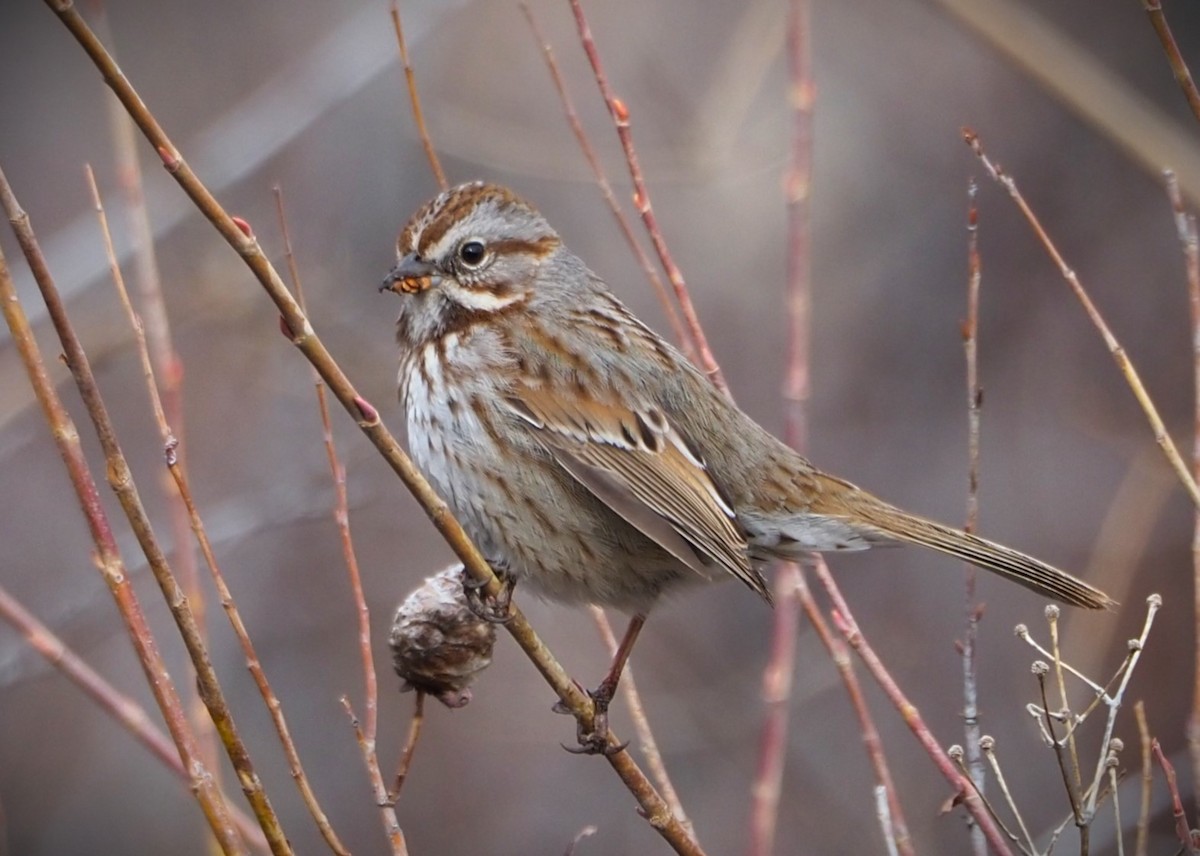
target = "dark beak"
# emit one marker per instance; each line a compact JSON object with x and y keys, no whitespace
{"x":410,"y":274}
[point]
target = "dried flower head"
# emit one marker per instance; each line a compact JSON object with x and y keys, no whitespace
{"x":439,"y":645}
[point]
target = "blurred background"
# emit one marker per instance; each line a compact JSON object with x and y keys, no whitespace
{"x":1074,"y":98}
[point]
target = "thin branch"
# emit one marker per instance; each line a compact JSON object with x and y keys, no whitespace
{"x":1143,"y":824}
{"x":681,"y":333}
{"x":242,"y":240}
{"x":872,"y":742}
{"x":120,"y":479}
{"x":127,"y":712}
{"x":1114,"y":347}
{"x":108,"y":559}
{"x":1185,"y":227}
{"x":1178,"y":67}
{"x":410,"y":746}
{"x":843,"y":619}
{"x":974,"y":611}
{"x":375,"y":776}
{"x":1182,"y":830}
{"x":184,"y":493}
{"x":415,"y":100}
{"x":778,"y":673}
{"x":641,"y":201}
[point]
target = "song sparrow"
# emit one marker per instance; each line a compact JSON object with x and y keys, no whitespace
{"x":587,"y":456}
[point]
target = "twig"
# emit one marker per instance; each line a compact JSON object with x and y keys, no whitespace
{"x":184,"y":493}
{"x":681,"y":333}
{"x":1185,"y":227}
{"x":883,"y":812}
{"x":1114,"y":347}
{"x":1052,"y":613}
{"x":641,"y":201}
{"x":843,"y":619}
{"x":987,"y":746}
{"x":341,"y":516}
{"x":870,"y":734}
{"x":108,"y":559}
{"x":367,"y":417}
{"x":974,"y":611}
{"x":168,"y":371}
{"x":410,"y":746}
{"x":776,"y":696}
{"x":131,"y":715}
{"x":382,"y":798}
{"x":1178,"y":67}
{"x":120,"y":479}
{"x":777,"y":675}
{"x":415,"y":100}
{"x":641,"y":723}
{"x":1182,"y":830}
{"x":1070,"y":782}
{"x":1143,"y":824}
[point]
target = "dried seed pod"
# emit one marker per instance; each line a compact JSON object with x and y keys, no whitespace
{"x":438,"y":644}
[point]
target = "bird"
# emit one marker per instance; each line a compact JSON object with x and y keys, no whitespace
{"x":587,"y":457}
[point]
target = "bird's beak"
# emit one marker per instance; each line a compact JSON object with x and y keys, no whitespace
{"x":409,"y":276}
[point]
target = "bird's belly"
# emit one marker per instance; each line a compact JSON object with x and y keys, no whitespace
{"x":526,"y":514}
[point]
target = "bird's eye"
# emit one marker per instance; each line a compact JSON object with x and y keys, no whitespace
{"x":472,"y":253}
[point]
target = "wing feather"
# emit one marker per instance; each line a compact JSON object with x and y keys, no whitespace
{"x":637,"y":463}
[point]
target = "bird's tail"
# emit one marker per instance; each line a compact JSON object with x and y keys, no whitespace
{"x":890,"y":522}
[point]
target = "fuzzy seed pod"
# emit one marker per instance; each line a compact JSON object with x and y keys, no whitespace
{"x":438,"y":644}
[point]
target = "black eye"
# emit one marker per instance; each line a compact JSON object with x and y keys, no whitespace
{"x":472,"y":253}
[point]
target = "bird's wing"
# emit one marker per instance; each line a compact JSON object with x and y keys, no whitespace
{"x":638,"y":465}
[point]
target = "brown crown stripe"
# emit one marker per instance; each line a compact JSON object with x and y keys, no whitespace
{"x":458,"y":203}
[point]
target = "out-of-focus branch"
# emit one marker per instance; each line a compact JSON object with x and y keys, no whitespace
{"x":120,"y":479}
{"x":127,"y":712}
{"x":641,"y":201}
{"x":108,"y":559}
{"x":1185,"y":227}
{"x":1114,"y":347}
{"x":414,"y":97}
{"x":843,"y":619}
{"x":682,"y":335}
{"x":1179,"y":68}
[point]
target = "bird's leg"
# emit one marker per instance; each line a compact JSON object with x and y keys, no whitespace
{"x":494,"y":609}
{"x":595,"y":740}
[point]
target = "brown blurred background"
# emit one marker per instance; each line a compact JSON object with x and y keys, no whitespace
{"x":309,"y":95}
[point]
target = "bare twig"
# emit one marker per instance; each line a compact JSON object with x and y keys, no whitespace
{"x":415,"y":99}
{"x":367,"y":417}
{"x":184,"y":493}
{"x":375,"y":776}
{"x":987,"y":746}
{"x":843,"y":619}
{"x":1182,"y":830}
{"x":168,"y":372}
{"x":120,"y":479}
{"x":840,"y":656}
{"x":641,"y":200}
{"x":1179,"y":68}
{"x":1143,"y":824}
{"x":681,"y":333}
{"x":108,"y":559}
{"x":974,"y":612}
{"x":777,"y":676}
{"x":1114,"y":347}
{"x":131,"y":715}
{"x":1185,"y":227}
{"x":776,"y":696}
{"x":410,"y":746}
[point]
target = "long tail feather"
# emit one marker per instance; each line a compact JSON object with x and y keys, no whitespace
{"x":1018,"y":567}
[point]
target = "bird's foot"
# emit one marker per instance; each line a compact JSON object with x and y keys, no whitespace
{"x":594,"y":738}
{"x":492,"y":608}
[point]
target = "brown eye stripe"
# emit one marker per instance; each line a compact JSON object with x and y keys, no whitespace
{"x":537,"y":248}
